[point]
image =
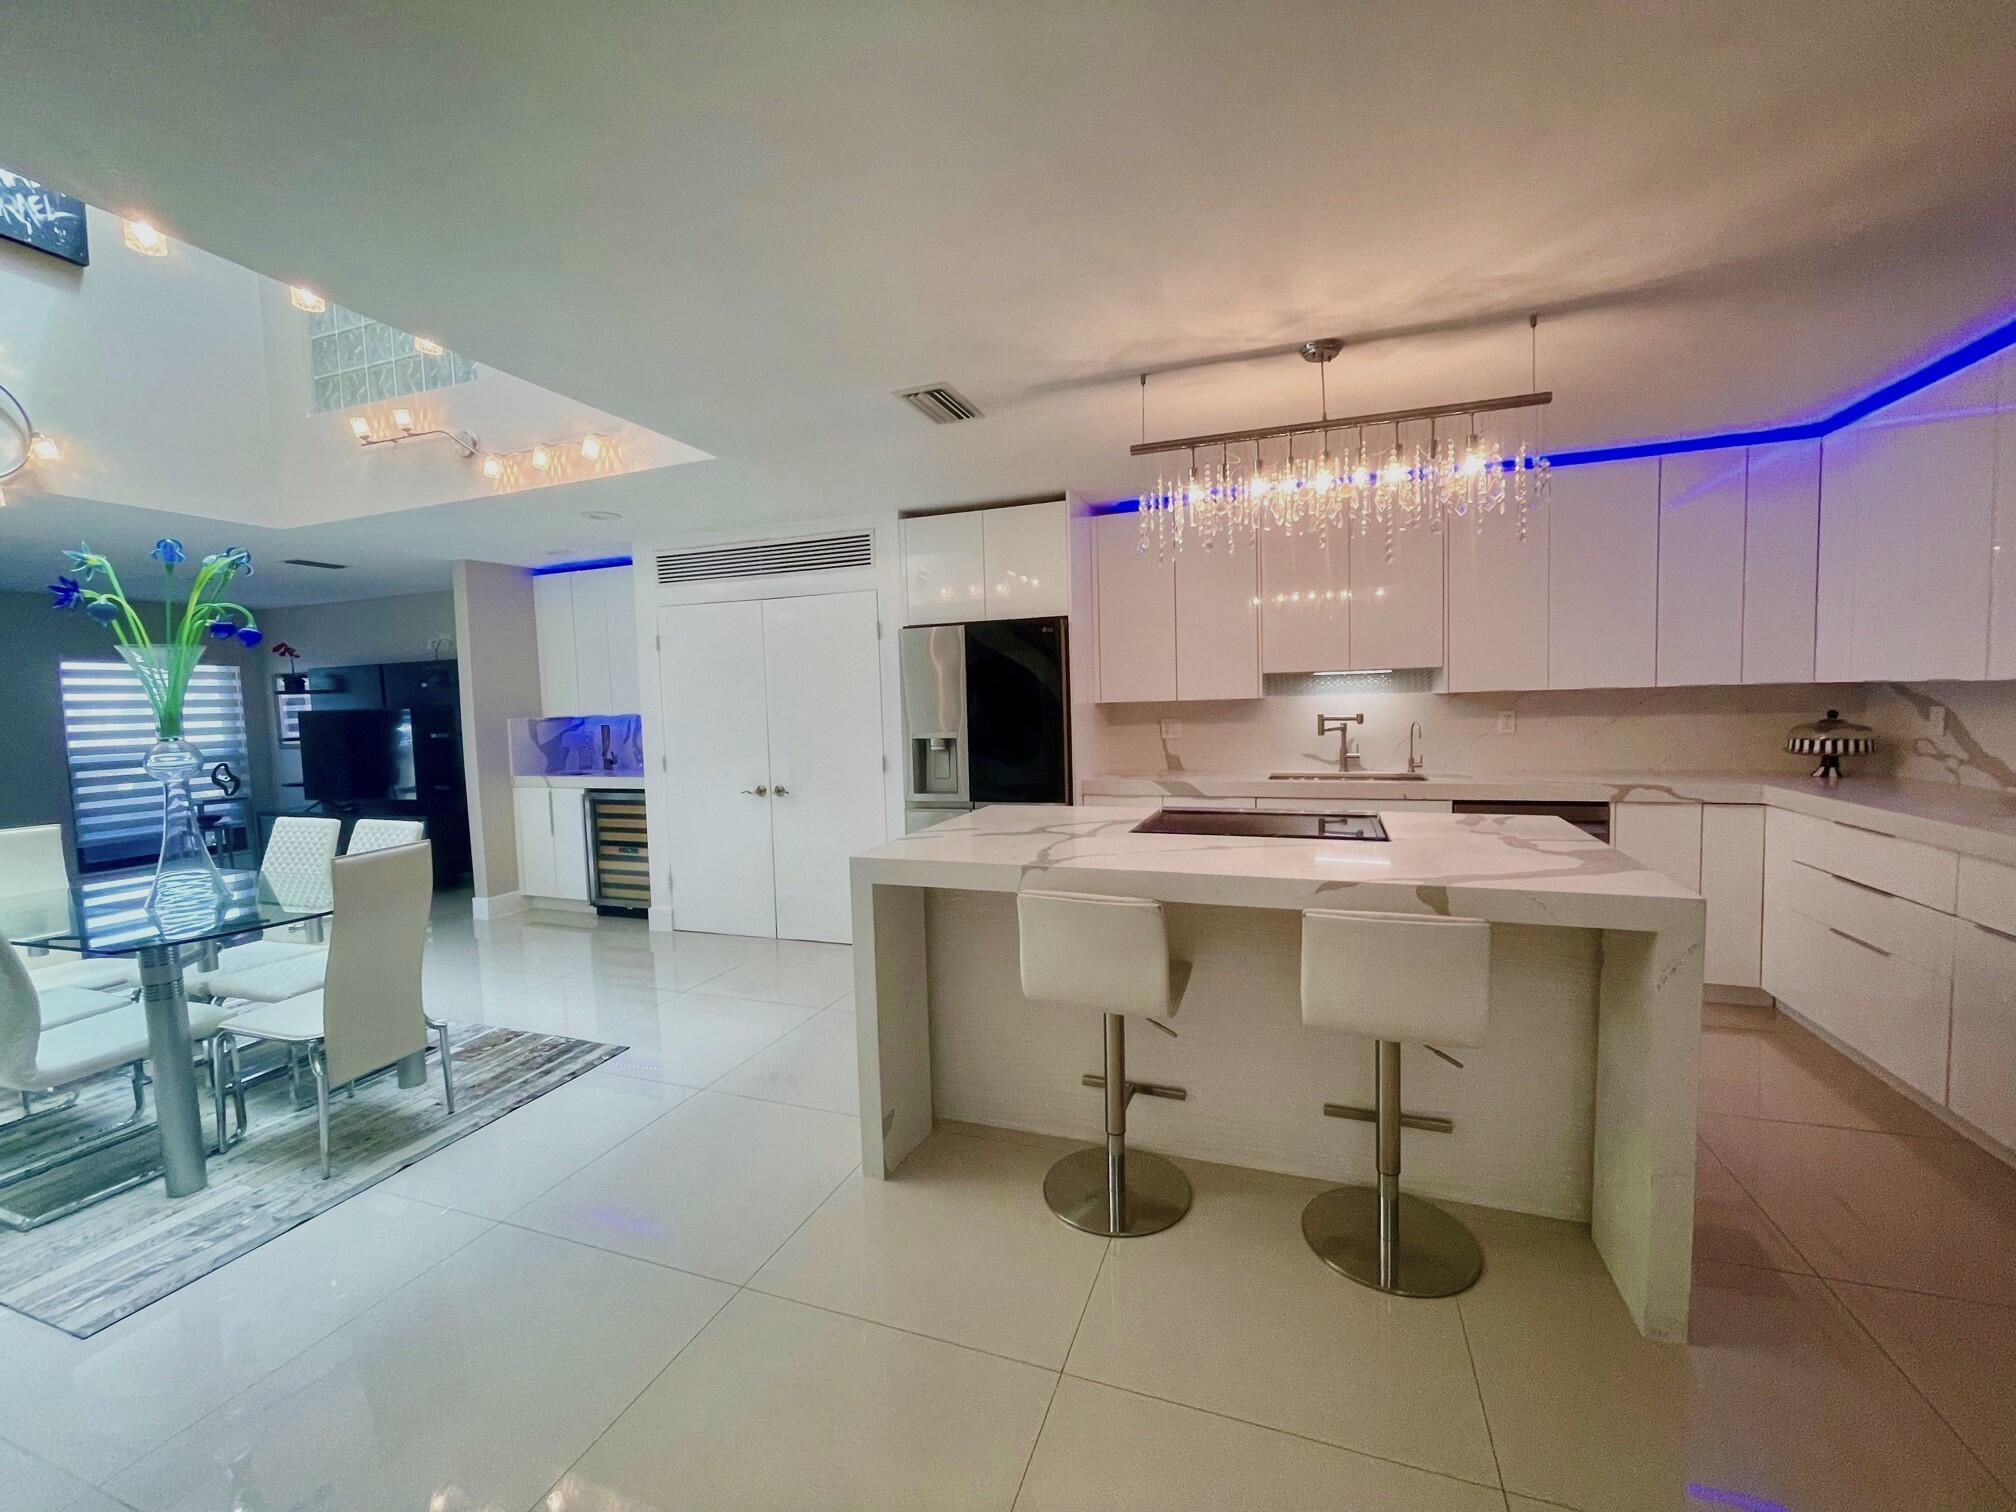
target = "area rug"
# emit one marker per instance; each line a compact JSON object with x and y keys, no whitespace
{"x":87,"y":1271}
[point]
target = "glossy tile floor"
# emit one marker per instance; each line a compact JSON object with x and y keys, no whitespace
{"x":667,"y":1286}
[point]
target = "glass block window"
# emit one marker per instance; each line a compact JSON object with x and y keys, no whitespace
{"x":354,"y":360}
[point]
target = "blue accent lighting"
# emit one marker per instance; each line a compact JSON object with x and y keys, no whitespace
{"x":587,"y":564}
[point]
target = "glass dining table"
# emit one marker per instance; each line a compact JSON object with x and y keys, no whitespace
{"x":109,"y":917}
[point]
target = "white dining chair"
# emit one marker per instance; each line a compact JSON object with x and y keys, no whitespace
{"x":383,"y":834}
{"x":368,"y":1014}
{"x":295,"y":868}
{"x":43,"y":1052}
{"x":32,"y":862}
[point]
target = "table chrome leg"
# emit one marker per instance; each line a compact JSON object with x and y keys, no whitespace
{"x":176,"y":1104}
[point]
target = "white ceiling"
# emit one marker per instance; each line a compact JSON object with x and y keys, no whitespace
{"x":744,"y":225}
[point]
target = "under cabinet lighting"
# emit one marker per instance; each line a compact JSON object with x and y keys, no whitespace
{"x":1362,"y":672}
{"x":45,"y":448}
{"x":144,"y":237}
{"x":306,"y":299}
{"x":426,"y":347}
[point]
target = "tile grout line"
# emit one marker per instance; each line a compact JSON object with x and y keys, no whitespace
{"x":2008,"y":1491}
{"x":1484,"y":1411}
{"x":1057,"y":1382}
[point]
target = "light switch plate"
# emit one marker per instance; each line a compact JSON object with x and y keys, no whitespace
{"x":1508,"y":722}
{"x":1172,"y":729}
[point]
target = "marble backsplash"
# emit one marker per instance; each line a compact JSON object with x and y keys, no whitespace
{"x":1656,"y":729}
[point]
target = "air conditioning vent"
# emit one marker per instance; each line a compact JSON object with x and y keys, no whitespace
{"x":767,"y":559}
{"x":311,"y":562}
{"x":939,"y":403}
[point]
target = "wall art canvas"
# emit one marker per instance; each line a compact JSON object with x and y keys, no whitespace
{"x":38,"y":216}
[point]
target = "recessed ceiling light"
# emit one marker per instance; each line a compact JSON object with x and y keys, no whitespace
{"x":306,"y":299}
{"x":427,"y":347}
{"x":143,"y":237}
{"x":600,"y":514}
{"x":45,"y":448}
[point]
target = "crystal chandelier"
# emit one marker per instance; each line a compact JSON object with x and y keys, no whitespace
{"x":1348,"y":474}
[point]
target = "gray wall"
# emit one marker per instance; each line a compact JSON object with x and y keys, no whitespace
{"x":362,"y":631}
{"x":34,"y":776}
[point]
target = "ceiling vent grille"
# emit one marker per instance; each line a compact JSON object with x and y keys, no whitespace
{"x":767,"y":559}
{"x":939,"y":403}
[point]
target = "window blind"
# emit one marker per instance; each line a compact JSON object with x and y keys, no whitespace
{"x":107,"y":728}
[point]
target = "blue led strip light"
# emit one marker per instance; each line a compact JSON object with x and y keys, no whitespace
{"x":1982,"y":347}
{"x":588,"y":564}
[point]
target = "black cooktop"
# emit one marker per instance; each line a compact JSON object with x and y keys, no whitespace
{"x":1295,"y":825}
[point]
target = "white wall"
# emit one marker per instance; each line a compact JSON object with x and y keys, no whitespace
{"x":497,"y":653}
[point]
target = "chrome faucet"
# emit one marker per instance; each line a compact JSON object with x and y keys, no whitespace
{"x":1329,"y":724}
{"x":1415,"y":734}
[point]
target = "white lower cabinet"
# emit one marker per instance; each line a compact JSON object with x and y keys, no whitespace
{"x":1717,"y":850}
{"x":1982,"y":1088}
{"x":552,"y":842}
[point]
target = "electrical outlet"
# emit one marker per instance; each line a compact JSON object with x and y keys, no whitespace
{"x":1172,"y":729}
{"x":1508,"y":722}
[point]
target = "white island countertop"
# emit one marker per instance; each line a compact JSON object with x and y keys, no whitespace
{"x":1510,"y":869}
{"x":1620,"y":1042}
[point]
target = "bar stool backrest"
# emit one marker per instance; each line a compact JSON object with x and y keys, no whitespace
{"x":1415,"y":979}
{"x":1109,"y":955}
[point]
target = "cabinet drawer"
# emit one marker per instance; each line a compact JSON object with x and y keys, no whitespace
{"x":1921,"y":873}
{"x":1983,"y":1085}
{"x":1988,"y":893}
{"x":1892,"y":1010}
{"x":1891,"y":925}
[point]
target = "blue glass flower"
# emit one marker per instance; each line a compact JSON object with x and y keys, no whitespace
{"x":84,"y":562}
{"x":168,"y":551}
{"x":103,"y":610}
{"x":221,"y":628}
{"x":250,"y":635}
{"x":67,"y":593}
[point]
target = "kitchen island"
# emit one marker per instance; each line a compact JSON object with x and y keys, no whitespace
{"x":1579,"y":1105}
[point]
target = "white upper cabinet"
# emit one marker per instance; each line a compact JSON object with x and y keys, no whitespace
{"x":1305,"y":603}
{"x":944,"y":568}
{"x":1217,"y":622}
{"x":553,"y":622}
{"x":1027,"y":554}
{"x":587,"y":629}
{"x":1781,"y":543}
{"x":1396,"y":605}
{"x":1907,"y":519}
{"x":1498,"y":602}
{"x":2002,"y":592}
{"x":1701,"y":501}
{"x":1137,"y":614}
{"x":1603,"y":589}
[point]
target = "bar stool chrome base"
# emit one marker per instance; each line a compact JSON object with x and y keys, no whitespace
{"x":1151,"y":1195}
{"x":1435,"y":1256}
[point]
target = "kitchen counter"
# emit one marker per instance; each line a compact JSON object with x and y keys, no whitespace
{"x":1580,"y":1104}
{"x":1970,"y":820}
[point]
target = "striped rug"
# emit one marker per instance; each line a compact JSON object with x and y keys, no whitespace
{"x":87,"y":1271}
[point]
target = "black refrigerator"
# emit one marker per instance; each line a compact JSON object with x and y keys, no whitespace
{"x":986,"y":716}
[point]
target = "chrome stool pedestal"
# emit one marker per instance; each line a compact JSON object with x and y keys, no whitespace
{"x":1117,"y":1192}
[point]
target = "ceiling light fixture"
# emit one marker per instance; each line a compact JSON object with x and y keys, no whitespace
{"x":360,"y":428}
{"x":37,"y":446}
{"x":542,"y":458}
{"x":493,"y":466}
{"x":427,"y":347}
{"x":44,"y":447}
{"x":144,"y":237}
{"x":306,"y":299}
{"x":591,"y":448}
{"x":403,"y":418}
{"x":462,"y":441}
{"x":1257,"y":481}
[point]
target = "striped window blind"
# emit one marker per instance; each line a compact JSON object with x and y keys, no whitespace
{"x":107,"y":728}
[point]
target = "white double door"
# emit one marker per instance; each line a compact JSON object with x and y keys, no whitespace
{"x":773,"y":720}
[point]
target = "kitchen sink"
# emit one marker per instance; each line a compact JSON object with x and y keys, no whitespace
{"x":1354,"y":776}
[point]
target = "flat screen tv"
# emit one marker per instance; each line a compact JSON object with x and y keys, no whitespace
{"x":356,"y":755}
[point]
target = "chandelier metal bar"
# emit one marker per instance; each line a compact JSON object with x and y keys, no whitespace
{"x":1346,"y":422}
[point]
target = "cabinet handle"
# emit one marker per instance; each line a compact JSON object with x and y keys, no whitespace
{"x":1865,"y":886}
{"x":758,"y":791}
{"x":1857,"y":940}
{"x":783,"y":791}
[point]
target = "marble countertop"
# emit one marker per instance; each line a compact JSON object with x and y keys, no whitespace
{"x":1970,"y":820}
{"x":1508,"y":869}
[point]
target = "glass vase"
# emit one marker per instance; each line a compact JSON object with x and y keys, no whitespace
{"x":187,"y":884}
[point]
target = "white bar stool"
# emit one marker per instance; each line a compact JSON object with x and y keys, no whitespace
{"x":1393,"y":978}
{"x":1111,"y":956}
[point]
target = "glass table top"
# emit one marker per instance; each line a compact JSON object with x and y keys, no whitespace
{"x":108,"y":915}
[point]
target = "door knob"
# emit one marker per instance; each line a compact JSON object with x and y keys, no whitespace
{"x":783,"y":791}
{"x":758,"y":791}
